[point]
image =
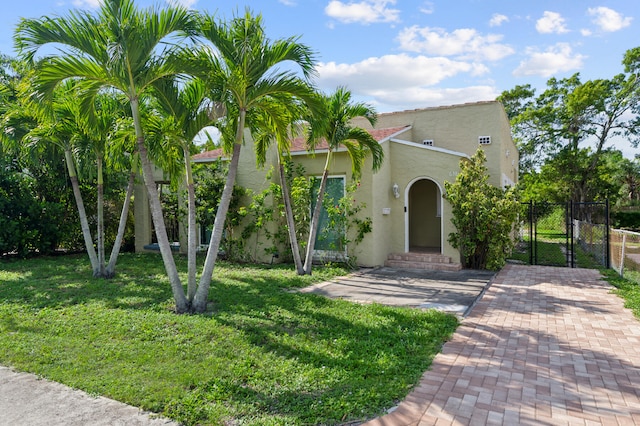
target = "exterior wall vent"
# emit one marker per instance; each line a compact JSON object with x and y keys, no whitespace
{"x":484,"y":140}
{"x":427,"y":142}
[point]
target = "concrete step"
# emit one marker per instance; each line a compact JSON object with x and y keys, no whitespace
{"x":428,"y":261}
{"x":407,"y":264}
{"x":420,"y":257}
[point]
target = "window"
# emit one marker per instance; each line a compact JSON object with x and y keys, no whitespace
{"x":329,"y":238}
{"x":427,"y":142}
{"x":484,"y":140}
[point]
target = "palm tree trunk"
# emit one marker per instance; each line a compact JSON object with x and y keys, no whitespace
{"x":110,"y":272}
{"x":315,"y":219}
{"x":182,"y":305}
{"x":202,"y":294}
{"x":192,"y":235}
{"x":293,"y":238}
{"x":100,"y":227}
{"x":84,"y":223}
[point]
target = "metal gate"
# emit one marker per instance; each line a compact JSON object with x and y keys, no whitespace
{"x":557,"y":233}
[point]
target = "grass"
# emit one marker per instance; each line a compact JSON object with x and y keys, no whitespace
{"x":549,"y":245}
{"x":626,"y":287}
{"x":264,"y":355}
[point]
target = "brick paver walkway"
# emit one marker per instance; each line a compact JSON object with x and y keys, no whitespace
{"x":544,"y":346}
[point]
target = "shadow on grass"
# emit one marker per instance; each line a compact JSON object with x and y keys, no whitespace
{"x":263,"y":352}
{"x":374,"y":350}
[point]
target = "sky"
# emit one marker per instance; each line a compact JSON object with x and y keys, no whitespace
{"x":407,"y":54}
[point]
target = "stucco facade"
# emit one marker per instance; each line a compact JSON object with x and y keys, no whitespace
{"x":423,"y":149}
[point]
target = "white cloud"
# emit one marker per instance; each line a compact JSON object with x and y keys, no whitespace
{"x":364,"y":12}
{"x":586,"y":32}
{"x":608,"y":19}
{"x":428,"y":8}
{"x":465,"y":43}
{"x":395,"y":82}
{"x":93,"y":4}
{"x":391,"y":72}
{"x":556,"y":59}
{"x":411,"y":97}
{"x":288,"y":2}
{"x":184,"y":3}
{"x":551,"y":22}
{"x":498,"y":19}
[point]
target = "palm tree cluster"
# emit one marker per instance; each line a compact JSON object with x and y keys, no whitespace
{"x":145,"y":82}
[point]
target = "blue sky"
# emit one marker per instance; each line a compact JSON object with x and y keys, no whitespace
{"x":402,"y":54}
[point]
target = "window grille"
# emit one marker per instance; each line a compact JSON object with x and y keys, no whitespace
{"x":484,"y":140}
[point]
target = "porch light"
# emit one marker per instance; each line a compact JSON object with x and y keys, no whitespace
{"x":396,"y":190}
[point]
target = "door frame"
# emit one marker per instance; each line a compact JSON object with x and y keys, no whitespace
{"x":406,"y":211}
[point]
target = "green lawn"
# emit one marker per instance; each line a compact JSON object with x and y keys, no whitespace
{"x":628,"y":288}
{"x":264,"y":355}
{"x":549,"y":244}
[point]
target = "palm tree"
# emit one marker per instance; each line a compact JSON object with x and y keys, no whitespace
{"x":184,"y":111}
{"x":333,"y":125}
{"x":121,"y":48}
{"x":97,"y":134}
{"x":56,"y":125}
{"x":282,"y":128}
{"x":245,"y":73}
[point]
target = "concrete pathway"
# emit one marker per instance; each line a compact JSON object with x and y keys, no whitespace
{"x":453,"y":292}
{"x":27,"y":400}
{"x":544,"y":346}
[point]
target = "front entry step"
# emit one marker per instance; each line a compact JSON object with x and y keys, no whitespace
{"x":428,"y":261}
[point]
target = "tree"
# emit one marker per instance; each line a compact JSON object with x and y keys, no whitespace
{"x":571,"y":123}
{"x":101,"y":134}
{"x":120,"y":49}
{"x":333,"y":126}
{"x":282,"y":128}
{"x":484,"y":215}
{"x":184,"y":111}
{"x":40,"y":169}
{"x":245,"y":74}
{"x":57,"y":126}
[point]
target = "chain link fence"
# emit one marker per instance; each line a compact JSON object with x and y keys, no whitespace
{"x":592,"y":239}
{"x":625,"y":251}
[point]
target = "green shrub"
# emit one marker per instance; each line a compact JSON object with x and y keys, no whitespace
{"x":626,"y":219}
{"x":484,"y":216}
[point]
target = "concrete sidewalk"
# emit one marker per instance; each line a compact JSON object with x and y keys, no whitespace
{"x":27,"y":400}
{"x":544,"y":346}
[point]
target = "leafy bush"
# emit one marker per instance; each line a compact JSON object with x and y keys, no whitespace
{"x":554,"y":219}
{"x":27,"y":223}
{"x":626,"y":219}
{"x":484,"y":216}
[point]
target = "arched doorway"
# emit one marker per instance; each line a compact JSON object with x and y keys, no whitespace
{"x":424,"y":217}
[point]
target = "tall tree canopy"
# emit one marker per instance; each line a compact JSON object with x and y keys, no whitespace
{"x":571,"y":124}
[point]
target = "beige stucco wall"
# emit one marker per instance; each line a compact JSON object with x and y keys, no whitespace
{"x":457,"y":128}
{"x":454,"y":130}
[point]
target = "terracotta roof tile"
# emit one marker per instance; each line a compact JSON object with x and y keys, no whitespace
{"x":207,"y":155}
{"x":299,"y":144}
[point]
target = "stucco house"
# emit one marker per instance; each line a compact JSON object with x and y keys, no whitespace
{"x":410,"y":219}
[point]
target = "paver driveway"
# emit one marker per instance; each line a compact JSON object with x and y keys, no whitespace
{"x":544,"y":346}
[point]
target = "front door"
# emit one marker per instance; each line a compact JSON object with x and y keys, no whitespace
{"x":425,"y":217}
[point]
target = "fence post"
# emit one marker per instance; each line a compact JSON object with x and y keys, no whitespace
{"x":624,"y":241}
{"x":531,"y":233}
{"x":535,"y":235}
{"x":570,"y":236}
{"x":608,"y":240}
